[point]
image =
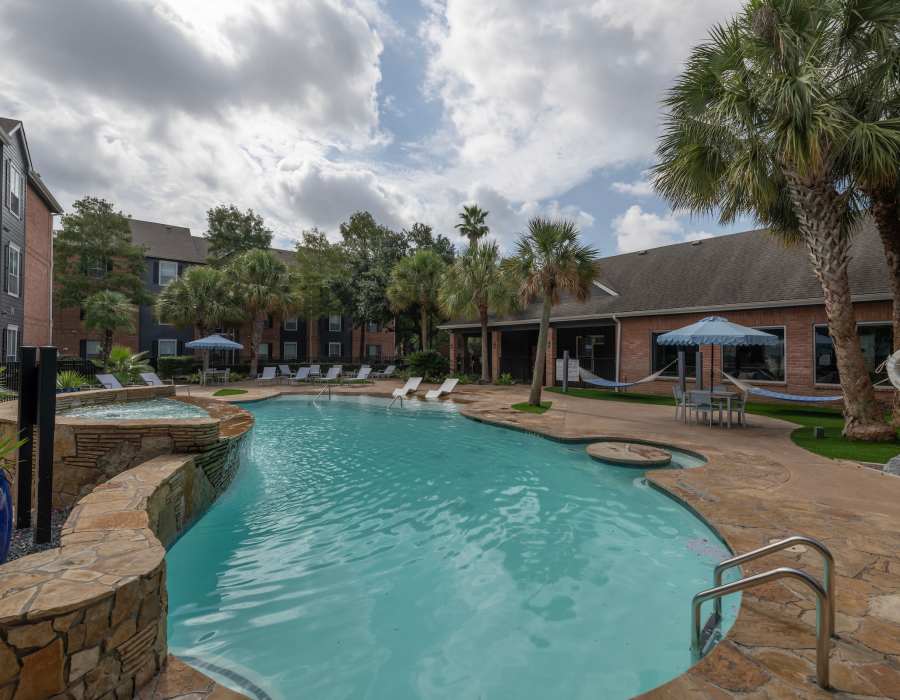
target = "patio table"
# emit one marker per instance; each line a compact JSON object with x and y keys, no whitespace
{"x":725,"y":397}
{"x":212,"y":376}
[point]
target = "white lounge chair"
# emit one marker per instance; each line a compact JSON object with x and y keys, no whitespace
{"x":362,"y":375}
{"x":334,"y":373}
{"x":446,"y":388}
{"x":152,"y":379}
{"x":411,"y":387}
{"x":284,"y":371}
{"x":315,"y":371}
{"x":301,"y":376}
{"x":108,"y":381}
{"x":385,"y":373}
{"x":268,"y":375}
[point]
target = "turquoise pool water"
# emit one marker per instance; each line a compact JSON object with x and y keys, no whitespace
{"x":150,"y":408}
{"x":414,"y":553}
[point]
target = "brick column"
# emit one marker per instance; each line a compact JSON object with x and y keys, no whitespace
{"x":550,"y":374}
{"x":495,"y":354}
{"x":313,"y":339}
{"x":453,"y":351}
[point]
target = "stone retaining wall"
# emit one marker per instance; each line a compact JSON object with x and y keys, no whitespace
{"x":97,"y":397}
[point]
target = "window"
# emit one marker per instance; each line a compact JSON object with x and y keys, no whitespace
{"x":373,"y":352}
{"x":335,"y":350}
{"x":373,"y":327}
{"x":166,"y":348}
{"x":11,"y":344}
{"x":875,"y":339}
{"x":15,"y":189}
{"x":290,"y":351}
{"x":95,"y":268}
{"x":91,"y":348}
{"x":263,"y":350}
{"x":290,"y":324}
{"x":334,"y":323}
{"x":761,"y":363}
{"x":663,"y":355}
{"x":13,"y":269}
{"x":168,"y":272}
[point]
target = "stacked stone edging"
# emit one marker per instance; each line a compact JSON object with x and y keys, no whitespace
{"x":97,"y":397}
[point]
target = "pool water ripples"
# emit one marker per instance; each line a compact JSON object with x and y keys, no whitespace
{"x":412,"y":553}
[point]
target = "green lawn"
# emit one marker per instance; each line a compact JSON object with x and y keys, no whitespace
{"x":230,"y":392}
{"x":526,"y":407}
{"x":832,"y":445}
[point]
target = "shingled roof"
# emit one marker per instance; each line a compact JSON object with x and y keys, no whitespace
{"x":741,"y":270}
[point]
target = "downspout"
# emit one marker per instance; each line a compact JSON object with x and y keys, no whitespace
{"x":618,"y":343}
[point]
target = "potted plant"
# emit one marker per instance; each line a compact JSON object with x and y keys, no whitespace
{"x":69,"y":380}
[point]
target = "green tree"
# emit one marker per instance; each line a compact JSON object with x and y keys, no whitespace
{"x":416,"y":281}
{"x":421,"y":236}
{"x":201,"y":299}
{"x":263,"y":286}
{"x":475,"y":285}
{"x":758,"y":124}
{"x":93,"y":252}
{"x":109,"y":312}
{"x":125,"y":365}
{"x":321,"y":267}
{"x":471,"y":223}
{"x":232,"y":232}
{"x":550,"y":259}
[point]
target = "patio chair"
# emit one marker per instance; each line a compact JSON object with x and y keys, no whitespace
{"x":315,"y":371}
{"x":704,"y":403}
{"x":739,"y":406}
{"x":411,"y":387}
{"x":301,"y":376}
{"x":334,"y":374}
{"x":284,"y":371}
{"x":386,"y":373}
{"x":682,"y":403}
{"x":362,"y":375}
{"x":268,"y":375}
{"x":152,"y":379}
{"x":108,"y":381}
{"x":446,"y":388}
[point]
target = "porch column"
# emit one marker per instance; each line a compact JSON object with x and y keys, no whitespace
{"x":495,"y":355}
{"x":312,"y":339}
{"x":453,"y":352}
{"x":550,"y":373}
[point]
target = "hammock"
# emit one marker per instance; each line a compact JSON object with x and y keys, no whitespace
{"x":800,"y":398}
{"x":893,"y":372}
{"x":591,"y":378}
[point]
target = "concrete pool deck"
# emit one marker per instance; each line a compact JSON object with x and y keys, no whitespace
{"x":756,"y":487}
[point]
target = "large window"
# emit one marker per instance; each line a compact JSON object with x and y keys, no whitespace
{"x":335,"y":350}
{"x":664,"y":355}
{"x":13,"y":269}
{"x":875,"y":339}
{"x":166,"y":348}
{"x":11,"y":344}
{"x":373,"y":327}
{"x":373,"y":352}
{"x":15,"y":189}
{"x":760,"y":363}
{"x":263,"y":351}
{"x":290,"y":324}
{"x":95,"y":267}
{"x":168,"y":272}
{"x":91,"y":349}
{"x":290,"y":351}
{"x":334,"y":323}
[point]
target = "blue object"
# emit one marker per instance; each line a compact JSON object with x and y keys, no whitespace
{"x":6,"y":517}
{"x":417,"y":555}
{"x":759,"y":391}
{"x":715,"y":330}
{"x":213,"y":342}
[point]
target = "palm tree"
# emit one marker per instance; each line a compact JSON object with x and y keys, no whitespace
{"x":125,"y":364}
{"x":757,"y":124}
{"x":264,"y":287}
{"x":201,"y":299}
{"x":109,"y":312}
{"x":549,"y":260}
{"x":415,"y":281}
{"x":471,"y":224}
{"x":475,"y":285}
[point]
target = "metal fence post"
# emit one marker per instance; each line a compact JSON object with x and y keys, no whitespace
{"x":46,"y":428}
{"x":565,"y":371}
{"x":28,"y":392}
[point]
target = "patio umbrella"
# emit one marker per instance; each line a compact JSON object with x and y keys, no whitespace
{"x":212,"y":342}
{"x":715,"y":330}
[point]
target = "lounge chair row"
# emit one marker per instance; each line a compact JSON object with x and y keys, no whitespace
{"x":108,"y":381}
{"x":412,"y":386}
{"x":314,"y":373}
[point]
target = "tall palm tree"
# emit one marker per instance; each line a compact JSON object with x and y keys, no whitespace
{"x":415,"y":281}
{"x":471,"y":223}
{"x":201,"y":299}
{"x":477,"y":284}
{"x":264,"y":287}
{"x":757,"y":124}
{"x":109,"y":312}
{"x":550,"y":259}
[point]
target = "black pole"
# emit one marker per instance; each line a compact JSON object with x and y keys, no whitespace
{"x":46,"y":427}
{"x":565,"y":377}
{"x":28,"y":392}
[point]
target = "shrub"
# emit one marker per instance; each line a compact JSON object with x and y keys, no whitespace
{"x":69,"y":379}
{"x":428,"y":364}
{"x":465,"y":378}
{"x":175,"y":365}
{"x":505,"y":379}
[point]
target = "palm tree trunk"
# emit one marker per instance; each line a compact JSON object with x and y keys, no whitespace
{"x":423,"y":322}
{"x":886,"y":212}
{"x":485,"y":374}
{"x":819,"y":212}
{"x":107,"y":343}
{"x":537,"y":379}
{"x":255,"y":340}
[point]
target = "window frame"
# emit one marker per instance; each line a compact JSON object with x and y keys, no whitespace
{"x":771,"y":382}
{"x":10,"y":247}
{"x":159,"y":343}
{"x":340,"y":323}
{"x":87,"y":354}
{"x":18,"y":340}
{"x":688,"y":377}
{"x":831,"y":385}
{"x":284,"y":350}
{"x":264,"y":355}
{"x":294,"y":320}
{"x":14,"y":174}
{"x":340,"y":347}
{"x":159,"y":275}
{"x":373,"y":327}
{"x":370,"y":355}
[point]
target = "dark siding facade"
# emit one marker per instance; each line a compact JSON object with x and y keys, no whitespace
{"x":343,"y":336}
{"x":150,"y":330}
{"x":12,"y":232}
{"x":298,"y":336}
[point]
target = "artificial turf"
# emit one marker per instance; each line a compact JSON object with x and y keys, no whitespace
{"x":230,"y":392}
{"x":526,"y":407}
{"x":833,"y":445}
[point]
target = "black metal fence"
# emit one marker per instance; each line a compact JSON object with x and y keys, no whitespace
{"x":9,"y":374}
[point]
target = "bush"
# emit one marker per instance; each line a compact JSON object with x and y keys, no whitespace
{"x":505,"y":379}
{"x":465,"y":378}
{"x":428,"y":364}
{"x":175,"y":365}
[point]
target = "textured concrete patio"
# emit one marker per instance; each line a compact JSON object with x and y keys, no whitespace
{"x":757,"y":486}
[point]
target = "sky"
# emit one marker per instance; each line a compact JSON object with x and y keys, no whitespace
{"x":307,"y":111}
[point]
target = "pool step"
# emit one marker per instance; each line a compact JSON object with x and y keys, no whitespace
{"x":711,"y":634}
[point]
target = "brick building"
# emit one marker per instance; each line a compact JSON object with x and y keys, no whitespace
{"x":749,"y":278}
{"x":169,"y":251}
{"x":26,"y":237}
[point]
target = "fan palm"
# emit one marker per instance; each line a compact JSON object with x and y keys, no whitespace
{"x":475,"y":285}
{"x":109,"y":312}
{"x":415,"y":281}
{"x":125,"y":364}
{"x":264,"y":286}
{"x":758,"y":124}
{"x":471,"y":223}
{"x":201,"y":299}
{"x":550,"y":259}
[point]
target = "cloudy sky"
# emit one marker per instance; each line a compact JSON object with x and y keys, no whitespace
{"x":309,"y":110}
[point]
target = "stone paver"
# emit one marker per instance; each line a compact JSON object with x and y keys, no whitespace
{"x":630,"y":454}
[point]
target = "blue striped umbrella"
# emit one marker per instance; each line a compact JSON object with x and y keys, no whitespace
{"x":213,"y":342}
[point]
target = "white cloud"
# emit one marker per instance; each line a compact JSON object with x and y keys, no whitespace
{"x":637,"y":188}
{"x":637,"y":229}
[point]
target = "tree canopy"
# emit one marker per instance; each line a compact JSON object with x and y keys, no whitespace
{"x":232,"y":232}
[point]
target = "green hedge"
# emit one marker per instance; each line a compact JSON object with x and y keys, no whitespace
{"x":170,"y":366}
{"x":428,"y":364}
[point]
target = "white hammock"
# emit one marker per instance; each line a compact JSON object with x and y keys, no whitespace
{"x":749,"y":389}
{"x":591,"y":378}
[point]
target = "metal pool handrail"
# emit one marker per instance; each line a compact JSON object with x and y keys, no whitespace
{"x":827,"y":557}
{"x":823,"y":631}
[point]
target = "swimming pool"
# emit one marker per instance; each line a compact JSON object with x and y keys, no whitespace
{"x":148,"y":408}
{"x":413,"y":553}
